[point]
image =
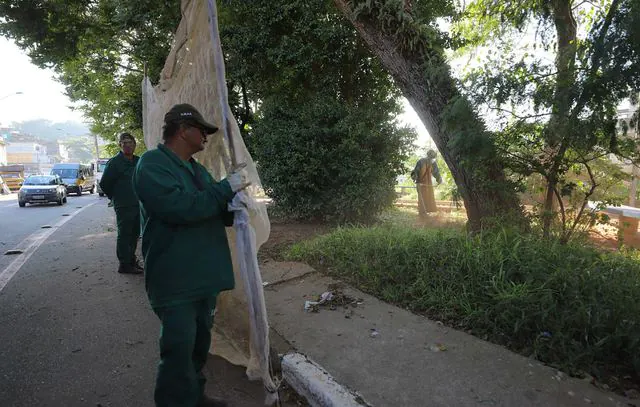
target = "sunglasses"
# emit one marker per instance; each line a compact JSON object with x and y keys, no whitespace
{"x":202,"y":130}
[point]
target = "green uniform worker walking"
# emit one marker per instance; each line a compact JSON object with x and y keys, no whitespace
{"x":186,"y":252}
{"x":116,"y":183}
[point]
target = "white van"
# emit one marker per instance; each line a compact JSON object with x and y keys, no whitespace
{"x":100,"y":164}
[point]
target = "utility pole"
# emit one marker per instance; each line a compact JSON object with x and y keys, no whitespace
{"x":95,"y":140}
{"x":38,"y":158}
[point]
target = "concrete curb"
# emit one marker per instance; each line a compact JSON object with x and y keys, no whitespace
{"x":315,"y":384}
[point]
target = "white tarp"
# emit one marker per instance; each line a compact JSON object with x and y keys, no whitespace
{"x":193,"y":74}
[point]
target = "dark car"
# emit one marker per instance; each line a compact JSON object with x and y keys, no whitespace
{"x":42,"y":189}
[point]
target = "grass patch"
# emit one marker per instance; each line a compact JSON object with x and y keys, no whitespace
{"x":408,"y":218}
{"x":570,"y":306}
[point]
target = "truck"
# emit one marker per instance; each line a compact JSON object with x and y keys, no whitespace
{"x":13,"y":176}
{"x":100,"y":164}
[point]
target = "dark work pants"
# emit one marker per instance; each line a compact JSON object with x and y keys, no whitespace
{"x":128,"y":221}
{"x":185,"y":338}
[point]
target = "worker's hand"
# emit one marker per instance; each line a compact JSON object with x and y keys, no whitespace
{"x":237,"y":178}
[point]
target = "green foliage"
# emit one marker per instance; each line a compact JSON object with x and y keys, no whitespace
{"x":327,"y":160}
{"x":404,"y":180}
{"x":407,"y":37}
{"x":554,"y":92}
{"x":323,"y":134}
{"x":81,"y":149}
{"x":447,"y":190}
{"x":98,"y":50}
{"x":414,"y":26}
{"x":290,"y":52}
{"x":567,"y":305}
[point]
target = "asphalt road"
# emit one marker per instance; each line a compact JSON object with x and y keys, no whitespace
{"x":73,"y":332}
{"x":17,"y":223}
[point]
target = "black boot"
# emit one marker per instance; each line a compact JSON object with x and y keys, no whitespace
{"x":212,"y":402}
{"x":128,"y":269}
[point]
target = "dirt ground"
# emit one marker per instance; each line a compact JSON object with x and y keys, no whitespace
{"x":285,"y":234}
{"x":605,"y":236}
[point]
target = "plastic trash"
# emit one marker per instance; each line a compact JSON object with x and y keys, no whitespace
{"x":311,"y":306}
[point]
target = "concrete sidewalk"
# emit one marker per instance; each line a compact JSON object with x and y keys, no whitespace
{"x":395,"y":358}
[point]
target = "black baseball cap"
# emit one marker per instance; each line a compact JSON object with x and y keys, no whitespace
{"x":185,"y":113}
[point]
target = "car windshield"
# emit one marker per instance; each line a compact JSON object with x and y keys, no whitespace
{"x":65,"y":172}
{"x":101,"y":167}
{"x":43,"y":180}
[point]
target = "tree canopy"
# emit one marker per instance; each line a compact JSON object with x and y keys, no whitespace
{"x":556,"y":101}
{"x":553,"y":74}
{"x":317,"y":108}
{"x":98,"y":50}
{"x":547,"y":76}
{"x":301,"y":55}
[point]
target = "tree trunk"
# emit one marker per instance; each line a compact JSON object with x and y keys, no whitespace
{"x":558,"y":127}
{"x":423,"y":75}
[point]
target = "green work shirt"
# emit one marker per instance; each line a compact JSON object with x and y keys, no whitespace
{"x":184,"y":241}
{"x":117,"y":182}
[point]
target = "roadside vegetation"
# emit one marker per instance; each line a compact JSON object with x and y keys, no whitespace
{"x":572,"y":306}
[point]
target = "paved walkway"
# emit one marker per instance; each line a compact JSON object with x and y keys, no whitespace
{"x":394,"y":358}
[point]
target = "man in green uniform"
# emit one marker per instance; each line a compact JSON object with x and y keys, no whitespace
{"x":186,"y":252}
{"x":116,"y":183}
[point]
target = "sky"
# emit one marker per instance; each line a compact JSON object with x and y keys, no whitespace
{"x":410,"y":118}
{"x":42,"y":97}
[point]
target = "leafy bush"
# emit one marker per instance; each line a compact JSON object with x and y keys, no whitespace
{"x":568,"y":305}
{"x":323,"y":159}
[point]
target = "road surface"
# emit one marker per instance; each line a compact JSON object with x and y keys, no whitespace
{"x":73,"y":332}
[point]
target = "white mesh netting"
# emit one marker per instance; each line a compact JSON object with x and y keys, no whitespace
{"x":194,"y":74}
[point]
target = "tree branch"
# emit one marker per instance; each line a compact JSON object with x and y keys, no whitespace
{"x":546,"y":75}
{"x":127,"y":68}
{"x":635,"y":161}
{"x":532,"y":165}
{"x":596,"y":57}
{"x":594,"y":185}
{"x":586,"y":1}
{"x":512,"y":113}
{"x":562,"y":209}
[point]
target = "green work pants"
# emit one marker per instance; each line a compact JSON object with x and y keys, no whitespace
{"x":128,"y":221}
{"x":185,"y":338}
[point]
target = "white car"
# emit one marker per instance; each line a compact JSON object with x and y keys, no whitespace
{"x":42,"y":189}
